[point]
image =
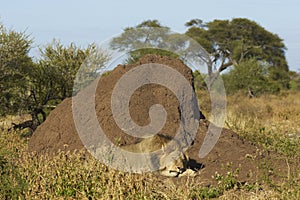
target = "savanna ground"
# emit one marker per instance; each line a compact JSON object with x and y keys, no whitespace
{"x":271,"y":121}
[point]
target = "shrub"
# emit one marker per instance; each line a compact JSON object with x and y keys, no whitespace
{"x":250,"y":75}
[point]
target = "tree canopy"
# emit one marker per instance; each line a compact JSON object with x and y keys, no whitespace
{"x":148,"y":37}
{"x":28,"y":87}
{"x":250,"y":77}
{"x":228,"y":43}
{"x":231,"y":42}
{"x":15,"y":67}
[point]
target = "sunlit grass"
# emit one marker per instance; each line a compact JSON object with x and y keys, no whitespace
{"x":270,"y":121}
{"x":266,"y":118}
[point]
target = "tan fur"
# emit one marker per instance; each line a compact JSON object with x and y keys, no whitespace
{"x":169,"y":165}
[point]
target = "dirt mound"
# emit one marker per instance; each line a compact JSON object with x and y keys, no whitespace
{"x":59,"y":132}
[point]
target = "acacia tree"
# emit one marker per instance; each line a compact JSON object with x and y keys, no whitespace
{"x":150,"y":37}
{"x":62,"y":64}
{"x":15,"y":68}
{"x":53,"y":76}
{"x":28,"y":87}
{"x":230,"y":43}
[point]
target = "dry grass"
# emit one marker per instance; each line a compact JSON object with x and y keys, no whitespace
{"x":74,"y":176}
{"x":271,"y":121}
{"x":280,"y":114}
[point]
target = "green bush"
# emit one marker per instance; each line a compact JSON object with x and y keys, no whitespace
{"x":251,"y":76}
{"x":295,"y":80}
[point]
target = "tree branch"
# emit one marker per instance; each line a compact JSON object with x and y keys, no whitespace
{"x":225,"y":66}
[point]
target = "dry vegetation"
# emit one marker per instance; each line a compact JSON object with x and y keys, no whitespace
{"x":270,"y":121}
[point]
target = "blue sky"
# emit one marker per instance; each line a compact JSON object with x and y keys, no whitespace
{"x":84,"y":22}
